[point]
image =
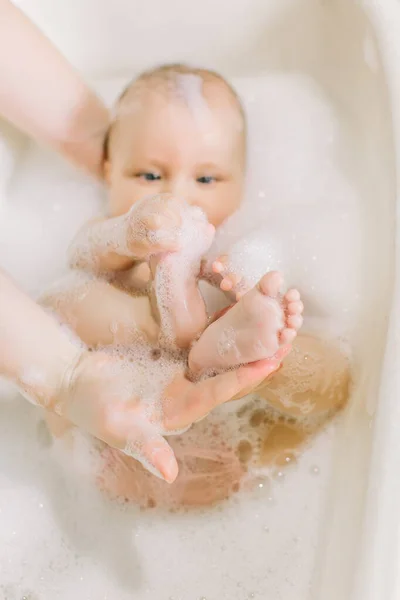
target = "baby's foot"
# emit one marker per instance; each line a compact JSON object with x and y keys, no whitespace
{"x":176,"y":297}
{"x":252,"y":330}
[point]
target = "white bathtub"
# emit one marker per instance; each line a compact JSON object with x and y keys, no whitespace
{"x":329,"y":536}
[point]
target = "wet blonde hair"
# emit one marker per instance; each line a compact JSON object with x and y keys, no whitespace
{"x":165,"y":77}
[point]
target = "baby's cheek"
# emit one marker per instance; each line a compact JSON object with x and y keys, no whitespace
{"x":123,"y":194}
{"x":226,"y":201}
{"x":212,"y":207}
{"x":222,"y":209}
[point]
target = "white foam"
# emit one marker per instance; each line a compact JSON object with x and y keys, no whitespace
{"x":122,"y":235}
{"x":109,"y":235}
{"x":190,"y":88}
{"x":227,"y":343}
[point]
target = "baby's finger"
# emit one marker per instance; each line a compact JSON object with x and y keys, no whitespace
{"x":219,"y":266}
{"x":236,"y":284}
{"x":227,"y":284}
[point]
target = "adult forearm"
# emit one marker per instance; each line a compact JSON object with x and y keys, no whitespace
{"x":43,"y":95}
{"x":35,"y":352}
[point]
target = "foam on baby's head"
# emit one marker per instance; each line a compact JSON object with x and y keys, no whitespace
{"x":200,"y":90}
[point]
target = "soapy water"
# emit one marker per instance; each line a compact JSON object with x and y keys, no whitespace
{"x":59,"y":532}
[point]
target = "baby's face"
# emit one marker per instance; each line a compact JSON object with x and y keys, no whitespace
{"x":193,"y":152}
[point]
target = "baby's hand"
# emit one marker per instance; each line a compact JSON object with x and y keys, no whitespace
{"x":153,"y":226}
{"x":229,"y":281}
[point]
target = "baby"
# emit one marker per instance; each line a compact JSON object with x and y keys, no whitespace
{"x":180,"y":132}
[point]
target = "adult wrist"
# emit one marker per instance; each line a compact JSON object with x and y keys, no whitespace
{"x":45,"y":386}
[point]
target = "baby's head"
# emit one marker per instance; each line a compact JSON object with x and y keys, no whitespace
{"x":178,"y":130}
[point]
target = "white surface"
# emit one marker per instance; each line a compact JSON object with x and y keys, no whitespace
{"x":326,"y":534}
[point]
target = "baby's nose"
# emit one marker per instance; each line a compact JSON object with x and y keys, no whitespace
{"x":178,"y":188}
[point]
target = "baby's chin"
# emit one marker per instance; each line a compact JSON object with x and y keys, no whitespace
{"x":219,"y":220}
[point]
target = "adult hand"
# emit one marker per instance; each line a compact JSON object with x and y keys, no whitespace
{"x":96,"y":396}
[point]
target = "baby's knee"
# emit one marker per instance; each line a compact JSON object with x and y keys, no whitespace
{"x":314,"y":379}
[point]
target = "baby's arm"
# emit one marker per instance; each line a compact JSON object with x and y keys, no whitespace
{"x":101,"y":314}
{"x":116,"y":244}
{"x":101,"y":246}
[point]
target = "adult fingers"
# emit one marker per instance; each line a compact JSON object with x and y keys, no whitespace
{"x":200,"y":398}
{"x":136,"y":437}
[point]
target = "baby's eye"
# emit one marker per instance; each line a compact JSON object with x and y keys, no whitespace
{"x":207,"y":179}
{"x":149,"y":176}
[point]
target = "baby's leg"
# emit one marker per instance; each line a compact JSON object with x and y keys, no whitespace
{"x":311,"y":386}
{"x":101,"y":314}
{"x":176,"y":298}
{"x":313,"y":382}
{"x":208,"y":474}
{"x":252,"y":330}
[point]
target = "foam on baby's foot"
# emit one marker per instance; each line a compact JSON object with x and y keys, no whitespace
{"x":176,"y":297}
{"x":252,"y":330}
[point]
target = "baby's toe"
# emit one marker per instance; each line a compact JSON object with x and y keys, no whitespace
{"x":295,"y":308}
{"x":292,"y":295}
{"x":295,"y":322}
{"x":271,"y":283}
{"x":219,"y":265}
{"x":287,"y":335}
